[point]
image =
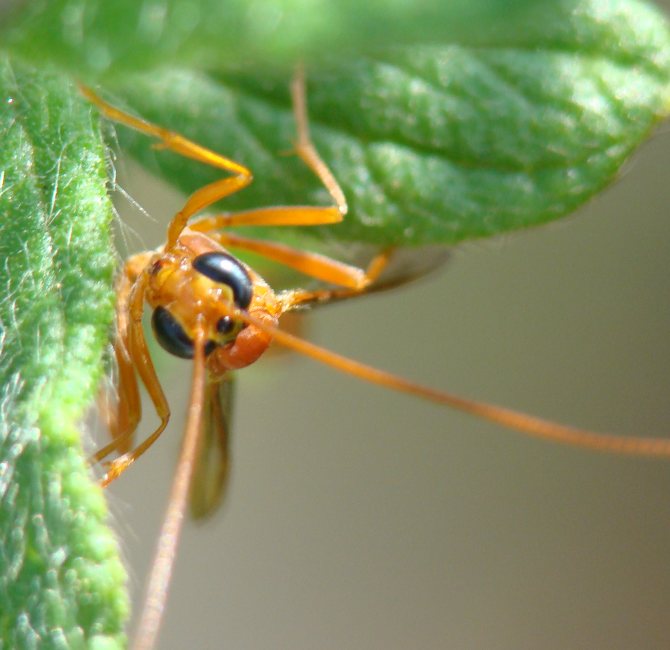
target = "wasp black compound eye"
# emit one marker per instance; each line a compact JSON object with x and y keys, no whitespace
{"x":226,"y":270}
{"x":172,"y":337}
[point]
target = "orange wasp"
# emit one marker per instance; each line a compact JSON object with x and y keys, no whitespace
{"x":213,"y":308}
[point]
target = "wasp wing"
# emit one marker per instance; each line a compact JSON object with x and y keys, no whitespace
{"x":404,"y":265}
{"x":212,"y":466}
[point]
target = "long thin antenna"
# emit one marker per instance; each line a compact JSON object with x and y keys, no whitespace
{"x":168,"y":540}
{"x":509,"y":418}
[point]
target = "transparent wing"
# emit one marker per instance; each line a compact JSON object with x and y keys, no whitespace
{"x":212,"y":466}
{"x":404,"y":266}
{"x":401,"y":267}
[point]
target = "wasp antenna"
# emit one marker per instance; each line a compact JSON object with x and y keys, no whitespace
{"x":168,"y":540}
{"x":509,"y":418}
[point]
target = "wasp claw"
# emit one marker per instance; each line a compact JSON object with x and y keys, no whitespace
{"x":115,"y":468}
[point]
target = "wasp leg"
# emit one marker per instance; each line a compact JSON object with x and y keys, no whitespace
{"x":123,"y":418}
{"x":312,"y":264}
{"x":351,"y":280}
{"x":141,"y":359}
{"x":304,"y":147}
{"x":304,"y":297}
{"x":300,"y":215}
{"x":280,"y":215}
{"x":202,"y":197}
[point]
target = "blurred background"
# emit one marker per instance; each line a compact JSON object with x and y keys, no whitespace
{"x":361,"y":519}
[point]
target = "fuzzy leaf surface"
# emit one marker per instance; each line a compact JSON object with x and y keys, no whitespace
{"x":62,"y":583}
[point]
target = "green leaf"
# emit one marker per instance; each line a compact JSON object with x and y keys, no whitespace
{"x":61,"y":582}
{"x":434,"y":143}
{"x":103,"y":37}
